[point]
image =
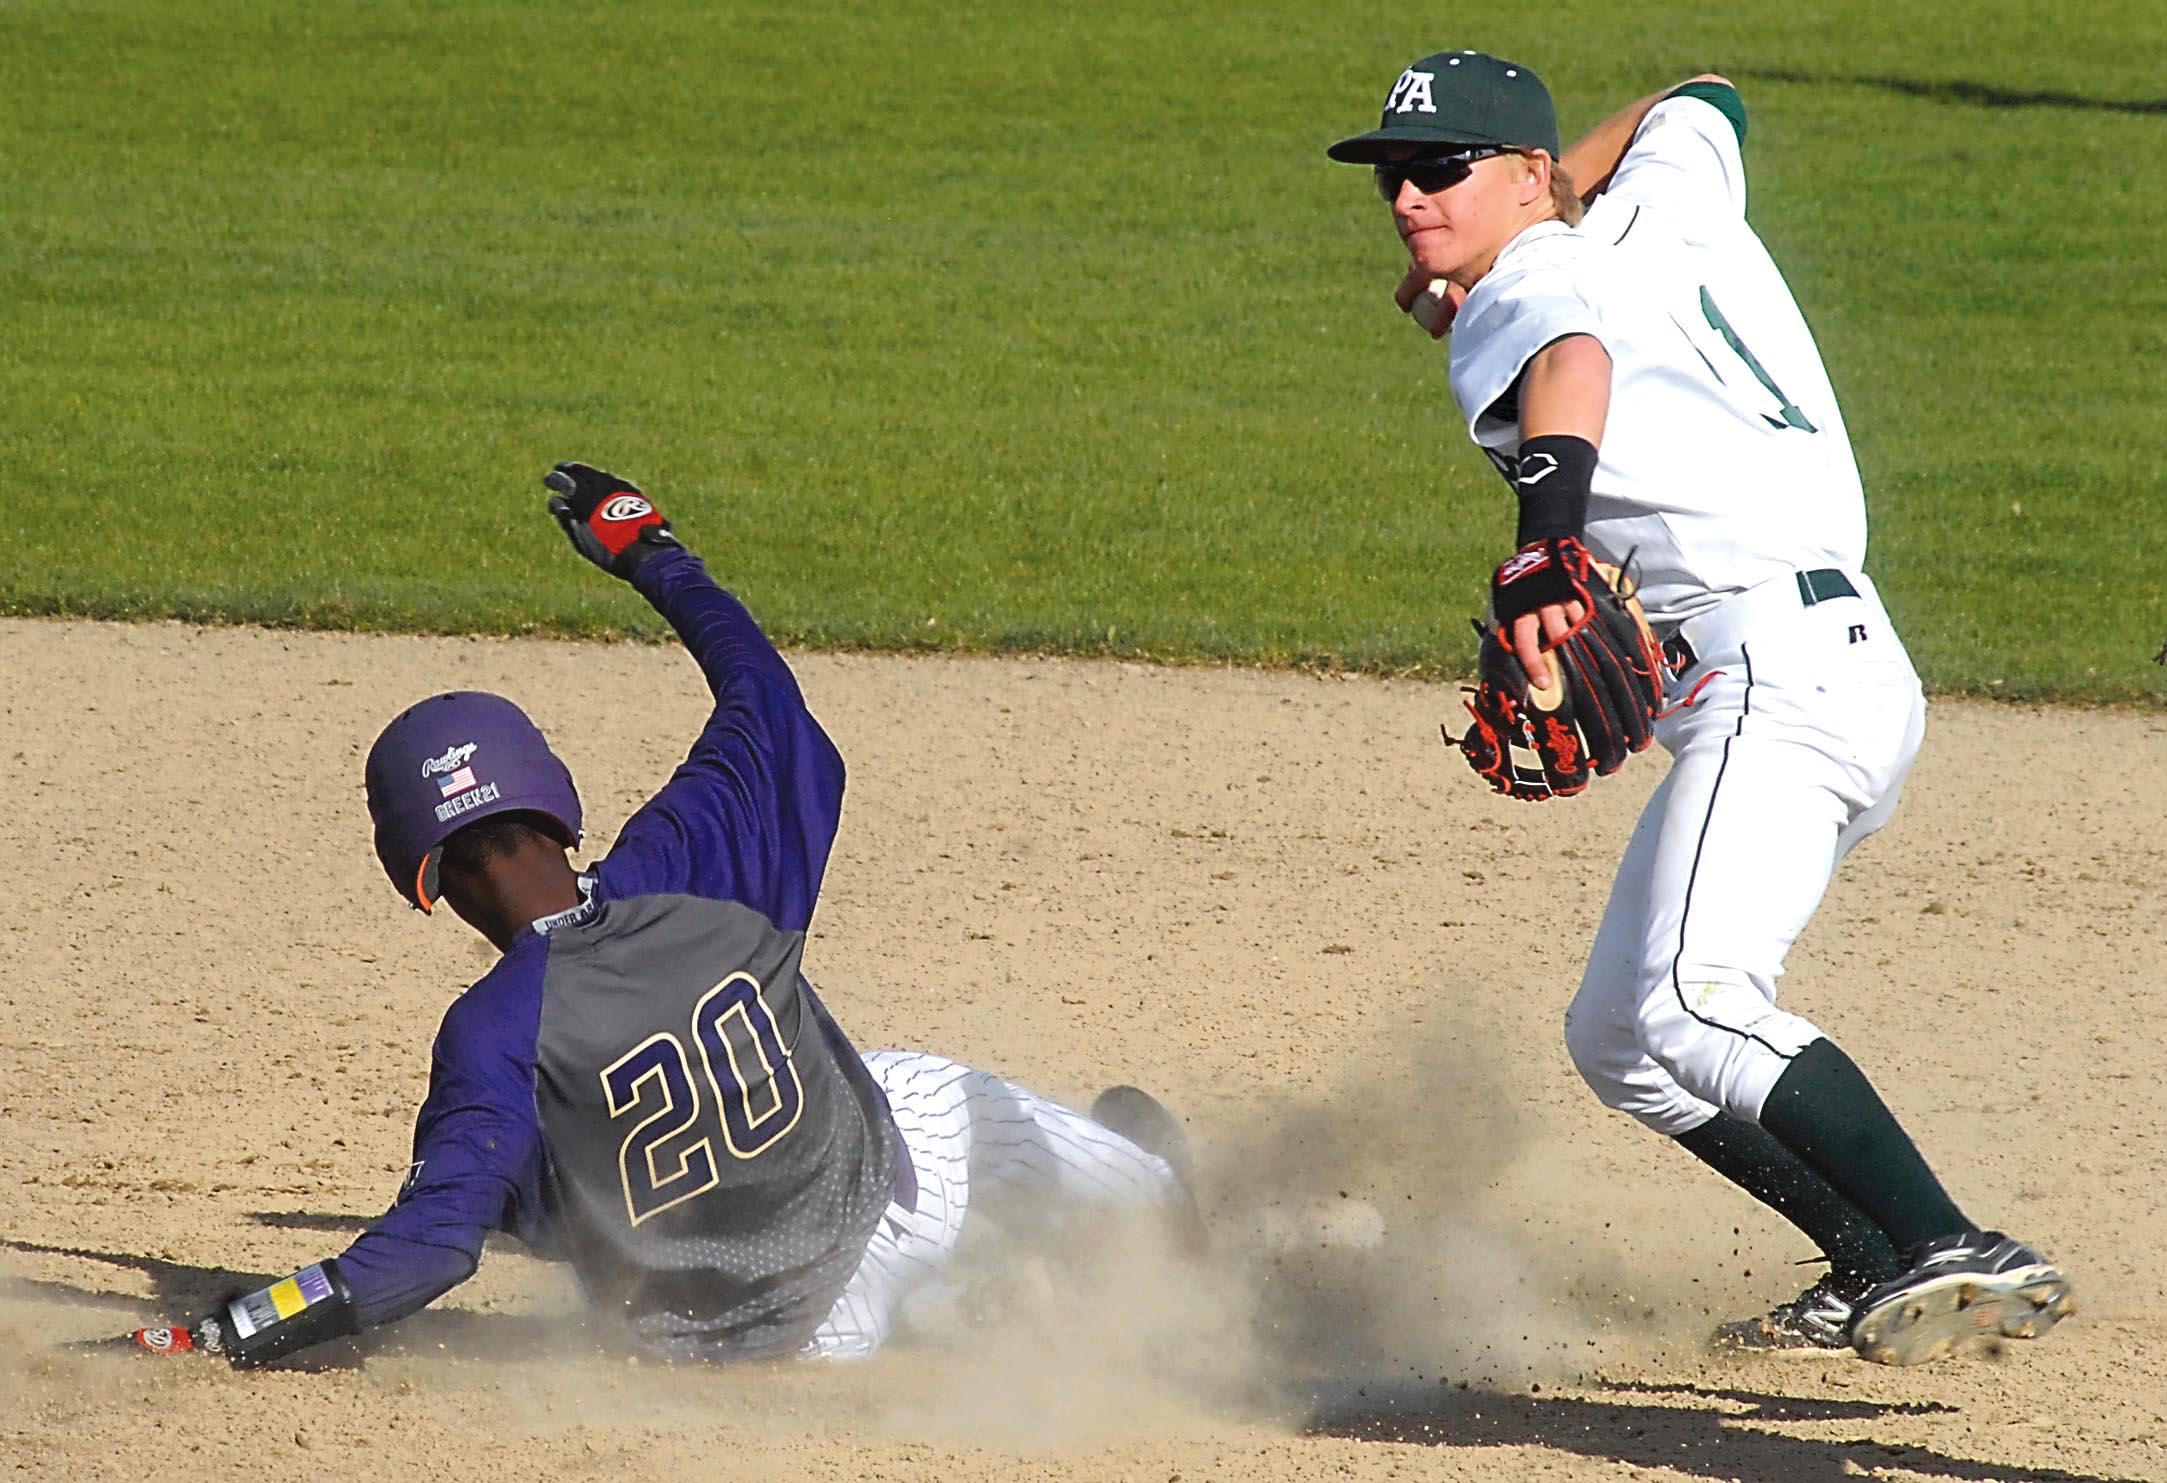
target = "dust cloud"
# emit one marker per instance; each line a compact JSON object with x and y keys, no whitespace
{"x":1357,"y":1237}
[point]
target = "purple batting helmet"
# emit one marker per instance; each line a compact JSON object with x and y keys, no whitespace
{"x":452,"y":759}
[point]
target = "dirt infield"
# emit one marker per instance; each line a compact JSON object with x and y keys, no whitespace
{"x":1275,"y":899}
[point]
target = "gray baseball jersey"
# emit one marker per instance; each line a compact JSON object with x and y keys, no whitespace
{"x":720,"y":1153}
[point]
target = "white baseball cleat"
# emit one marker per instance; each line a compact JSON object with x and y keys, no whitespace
{"x":1973,"y":1285}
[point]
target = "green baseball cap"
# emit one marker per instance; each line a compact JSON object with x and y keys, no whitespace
{"x":1459,"y":97}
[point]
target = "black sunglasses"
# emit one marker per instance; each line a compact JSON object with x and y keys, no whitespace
{"x":1433,"y":173}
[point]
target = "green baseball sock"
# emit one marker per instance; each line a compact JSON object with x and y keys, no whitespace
{"x":1752,"y":1159}
{"x":1824,"y":1110}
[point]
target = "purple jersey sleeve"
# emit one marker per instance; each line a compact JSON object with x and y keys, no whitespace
{"x":478,"y":1159}
{"x":751,"y":814}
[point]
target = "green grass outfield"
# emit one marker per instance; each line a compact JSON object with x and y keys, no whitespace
{"x":1006,"y":325}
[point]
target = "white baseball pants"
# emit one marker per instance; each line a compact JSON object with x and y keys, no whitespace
{"x":1801,"y":726}
{"x":980,"y":1143}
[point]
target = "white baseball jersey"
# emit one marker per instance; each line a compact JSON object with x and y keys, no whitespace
{"x":1724,"y":461}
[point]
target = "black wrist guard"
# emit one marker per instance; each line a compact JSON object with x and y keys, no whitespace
{"x":1551,"y":477}
{"x":255,"y":1328}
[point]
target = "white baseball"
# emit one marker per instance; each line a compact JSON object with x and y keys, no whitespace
{"x":1432,"y":307}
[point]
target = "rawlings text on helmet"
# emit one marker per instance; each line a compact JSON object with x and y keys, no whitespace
{"x":450,"y":760}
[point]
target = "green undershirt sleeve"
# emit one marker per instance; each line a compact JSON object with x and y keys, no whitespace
{"x":1723,"y":99}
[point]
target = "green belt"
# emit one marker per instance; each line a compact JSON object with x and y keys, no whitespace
{"x":1825,"y":585}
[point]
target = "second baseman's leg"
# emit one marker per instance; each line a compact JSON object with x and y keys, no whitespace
{"x":1780,"y":769}
{"x":1794,"y":749}
{"x":1744,"y":848}
{"x":1602,"y":1025}
{"x":1803,"y":755}
{"x":1602,"y":1032}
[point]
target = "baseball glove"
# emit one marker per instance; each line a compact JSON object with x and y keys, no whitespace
{"x":1606,"y":684}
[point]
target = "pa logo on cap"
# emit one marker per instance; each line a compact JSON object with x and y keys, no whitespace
{"x":1411,"y":94}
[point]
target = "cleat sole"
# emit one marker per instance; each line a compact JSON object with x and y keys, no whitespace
{"x":1940,"y":1317}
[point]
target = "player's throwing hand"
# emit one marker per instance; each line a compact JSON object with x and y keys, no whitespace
{"x":1430,"y":301}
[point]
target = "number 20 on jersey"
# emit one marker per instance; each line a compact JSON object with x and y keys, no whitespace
{"x":746,"y":1067}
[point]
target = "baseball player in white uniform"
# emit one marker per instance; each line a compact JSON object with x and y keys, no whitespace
{"x":1645,"y":380}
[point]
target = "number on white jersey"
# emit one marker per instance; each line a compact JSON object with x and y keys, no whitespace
{"x":1792,"y":416}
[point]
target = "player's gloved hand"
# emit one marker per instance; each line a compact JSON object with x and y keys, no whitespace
{"x":1605,"y":677}
{"x":205,"y":1337}
{"x":1523,"y":742}
{"x":609,"y":521}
